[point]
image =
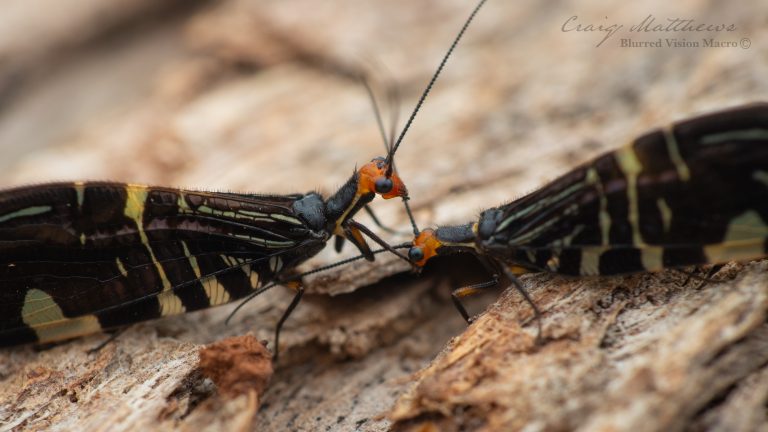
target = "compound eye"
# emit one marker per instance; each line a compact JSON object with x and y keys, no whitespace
{"x":383,"y":185}
{"x":415,"y":254}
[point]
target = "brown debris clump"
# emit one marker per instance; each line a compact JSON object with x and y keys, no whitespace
{"x":237,"y":365}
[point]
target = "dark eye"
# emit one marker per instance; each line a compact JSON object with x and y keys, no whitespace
{"x":415,"y":254}
{"x":383,"y":185}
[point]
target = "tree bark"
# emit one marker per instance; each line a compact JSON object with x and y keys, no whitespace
{"x":260,"y":97}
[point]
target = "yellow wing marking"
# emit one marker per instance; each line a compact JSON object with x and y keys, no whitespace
{"x":45,"y":317}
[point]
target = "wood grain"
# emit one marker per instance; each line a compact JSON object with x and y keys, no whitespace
{"x":257,"y":96}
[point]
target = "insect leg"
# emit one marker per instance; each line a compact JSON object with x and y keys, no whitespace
{"x":466,"y":291}
{"x":689,"y":275}
{"x":708,"y":278}
{"x":112,"y":336}
{"x":286,"y":314}
{"x":702,"y":279}
{"x":357,"y":230}
{"x":353,"y":234}
{"x":338,"y":243}
{"x":519,"y":287}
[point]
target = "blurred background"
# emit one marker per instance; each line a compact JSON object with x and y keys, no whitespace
{"x":259,"y":96}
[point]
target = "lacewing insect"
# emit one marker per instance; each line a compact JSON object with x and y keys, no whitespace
{"x":82,"y":257}
{"x":76,"y":258}
{"x":690,"y":194}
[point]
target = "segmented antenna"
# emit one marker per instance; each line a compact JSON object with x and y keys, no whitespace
{"x":377,"y":113}
{"x":432,"y":81}
{"x":394,"y":102}
{"x":393,"y":96}
{"x":393,"y":148}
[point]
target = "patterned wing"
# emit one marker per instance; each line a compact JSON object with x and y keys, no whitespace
{"x":76,"y":258}
{"x":694,"y":193}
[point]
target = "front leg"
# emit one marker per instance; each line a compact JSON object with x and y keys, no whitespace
{"x":354,"y":231}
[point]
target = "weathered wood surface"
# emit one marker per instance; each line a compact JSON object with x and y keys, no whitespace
{"x":256,"y":96}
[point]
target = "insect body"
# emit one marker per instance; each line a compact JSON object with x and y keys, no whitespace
{"x":693,"y":193}
{"x":76,"y":258}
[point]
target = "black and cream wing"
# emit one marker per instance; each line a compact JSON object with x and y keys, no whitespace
{"x":76,"y":258}
{"x":693,"y":193}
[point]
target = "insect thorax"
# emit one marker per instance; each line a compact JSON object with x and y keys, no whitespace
{"x":311,"y":209}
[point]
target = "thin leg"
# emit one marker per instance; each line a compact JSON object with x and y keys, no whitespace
{"x":703,"y":279}
{"x":338,"y":243}
{"x":688,"y":275}
{"x":286,"y":314}
{"x":362,"y":229}
{"x":708,"y":278}
{"x":519,"y":287}
{"x":353,"y":234}
{"x":378,"y":223}
{"x":459,"y":293}
{"x":114,"y":335}
{"x":466,"y":291}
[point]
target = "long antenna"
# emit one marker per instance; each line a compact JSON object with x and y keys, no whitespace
{"x":434,"y":78}
{"x":394,"y":103}
{"x":393,"y":98}
{"x":393,"y":148}
{"x":376,"y":112}
{"x":410,"y":216}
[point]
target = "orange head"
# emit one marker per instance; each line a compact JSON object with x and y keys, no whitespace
{"x":377,"y":177}
{"x":425,"y":246}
